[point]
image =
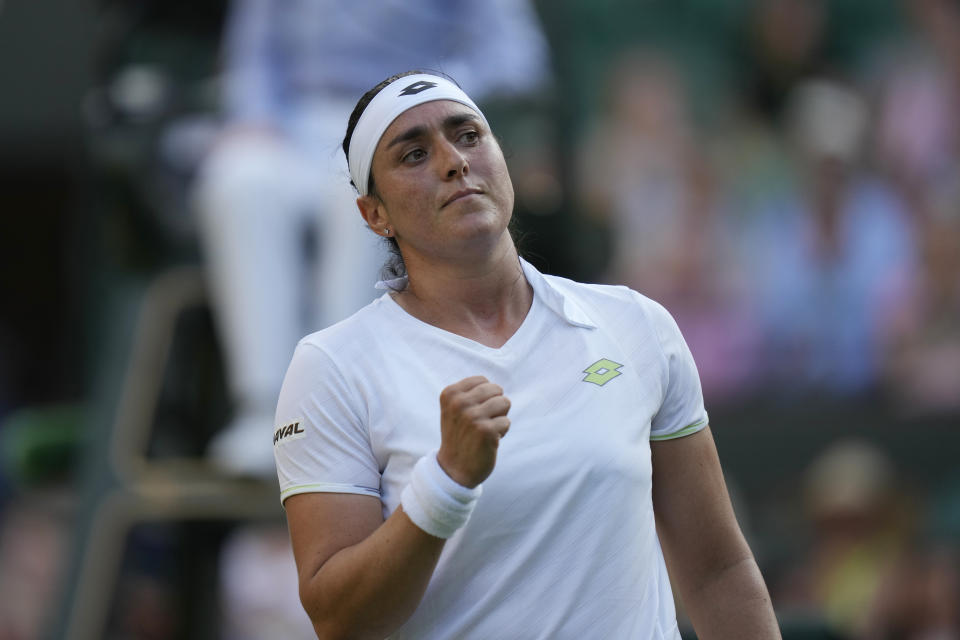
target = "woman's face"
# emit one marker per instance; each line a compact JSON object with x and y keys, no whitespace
{"x":443,"y":185}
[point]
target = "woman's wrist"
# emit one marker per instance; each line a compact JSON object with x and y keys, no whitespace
{"x":434,"y":501}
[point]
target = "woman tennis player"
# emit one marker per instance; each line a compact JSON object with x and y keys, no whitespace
{"x":488,"y":452}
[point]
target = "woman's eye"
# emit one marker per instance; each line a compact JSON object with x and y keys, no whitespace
{"x":413,"y":156}
{"x":470,"y":137}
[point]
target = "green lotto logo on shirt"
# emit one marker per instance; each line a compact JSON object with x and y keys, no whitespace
{"x":602,"y":371}
{"x":286,"y":433}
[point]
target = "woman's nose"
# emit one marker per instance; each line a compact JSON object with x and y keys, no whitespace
{"x":454,"y":161}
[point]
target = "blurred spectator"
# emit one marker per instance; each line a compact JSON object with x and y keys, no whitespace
{"x":827,"y":251}
{"x":918,"y":86}
{"x":645,"y":174}
{"x":286,"y":249}
{"x":784,"y":46}
{"x":639,"y":171}
{"x":33,"y":543}
{"x":259,"y":596}
{"x":860,"y":531}
{"x":917,"y":126}
{"x":919,"y":599}
{"x":918,"y":147}
{"x":922,"y":366}
{"x":146,"y":609}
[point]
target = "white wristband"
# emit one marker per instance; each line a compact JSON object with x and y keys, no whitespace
{"x":434,"y":501}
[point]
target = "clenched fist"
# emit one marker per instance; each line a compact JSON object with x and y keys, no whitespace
{"x":473,"y":418}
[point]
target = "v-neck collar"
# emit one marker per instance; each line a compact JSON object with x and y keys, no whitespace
{"x":545,"y":297}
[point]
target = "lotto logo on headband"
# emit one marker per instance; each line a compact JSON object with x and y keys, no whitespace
{"x":417,"y":87}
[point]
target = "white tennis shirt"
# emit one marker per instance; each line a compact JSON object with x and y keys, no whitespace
{"x":562,"y":543}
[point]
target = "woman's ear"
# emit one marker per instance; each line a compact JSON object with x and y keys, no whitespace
{"x":374,"y":214}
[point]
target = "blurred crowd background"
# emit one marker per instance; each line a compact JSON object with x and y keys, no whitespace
{"x":783,"y":175}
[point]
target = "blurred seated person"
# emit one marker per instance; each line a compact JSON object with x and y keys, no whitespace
{"x":920,"y":598}
{"x":859,"y":533}
{"x":918,"y":147}
{"x":825,"y":253}
{"x":922,"y":365}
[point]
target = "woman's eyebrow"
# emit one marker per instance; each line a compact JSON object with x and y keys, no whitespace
{"x":450,"y":122}
{"x":409,"y":134}
{"x":457,"y":119}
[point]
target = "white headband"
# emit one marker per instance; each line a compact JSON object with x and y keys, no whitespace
{"x":395,"y":98}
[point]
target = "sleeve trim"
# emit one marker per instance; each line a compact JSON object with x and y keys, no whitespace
{"x":686,"y":431}
{"x":327,"y":487}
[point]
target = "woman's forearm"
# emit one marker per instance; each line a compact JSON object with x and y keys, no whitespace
{"x":732,"y":604}
{"x":370,"y":589}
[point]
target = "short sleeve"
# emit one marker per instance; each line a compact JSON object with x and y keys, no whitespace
{"x":682,"y":411}
{"x":320,"y":441}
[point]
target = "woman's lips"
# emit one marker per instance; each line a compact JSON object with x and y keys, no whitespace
{"x":463,"y":193}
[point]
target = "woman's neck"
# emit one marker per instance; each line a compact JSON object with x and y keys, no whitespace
{"x":484,"y":301}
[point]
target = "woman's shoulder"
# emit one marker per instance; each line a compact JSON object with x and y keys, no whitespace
{"x":603,"y":298}
{"x":334,"y":358}
{"x":344,"y":339}
{"x":620,"y":310}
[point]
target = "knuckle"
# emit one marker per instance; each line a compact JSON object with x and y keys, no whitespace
{"x":474,"y":381}
{"x":457,"y":402}
{"x":496,"y":426}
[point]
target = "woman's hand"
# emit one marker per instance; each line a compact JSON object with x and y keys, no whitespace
{"x":473,"y":418}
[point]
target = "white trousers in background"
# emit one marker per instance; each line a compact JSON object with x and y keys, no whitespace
{"x":260,"y":200}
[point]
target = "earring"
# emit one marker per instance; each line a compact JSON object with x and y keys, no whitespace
{"x":386,"y":231}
